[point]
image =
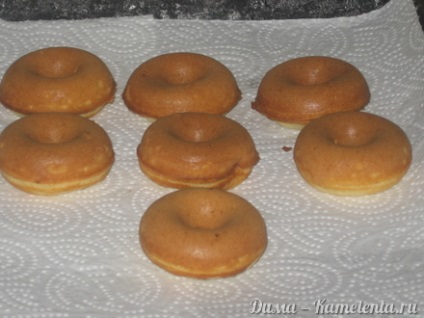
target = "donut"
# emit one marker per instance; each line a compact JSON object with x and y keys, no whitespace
{"x":203,"y":233}
{"x":52,"y":153}
{"x":181,"y":82}
{"x":301,"y":89}
{"x":352,"y":153}
{"x":197,"y":150}
{"x":57,"y":79}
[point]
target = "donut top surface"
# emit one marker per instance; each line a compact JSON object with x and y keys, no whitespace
{"x":200,"y":148}
{"x":203,"y":233}
{"x":57,"y":79}
{"x":305,"y":88}
{"x":181,"y":82}
{"x":49,"y":148}
{"x":352,"y":153}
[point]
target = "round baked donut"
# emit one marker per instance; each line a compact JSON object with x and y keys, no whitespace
{"x":299,"y":90}
{"x":181,"y":82}
{"x":197,"y":150}
{"x":203,"y":233}
{"x":352,"y":153}
{"x":51,"y":153}
{"x":57,"y":79}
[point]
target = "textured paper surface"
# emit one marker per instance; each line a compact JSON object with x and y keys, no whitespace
{"x":77,"y":255}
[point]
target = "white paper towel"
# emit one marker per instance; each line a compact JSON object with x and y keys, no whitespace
{"x":77,"y":255}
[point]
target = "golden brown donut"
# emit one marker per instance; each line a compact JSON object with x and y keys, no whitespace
{"x":299,"y":90}
{"x":57,"y":79}
{"x":352,"y":153}
{"x":203,"y":233}
{"x":181,"y":82}
{"x":197,"y":150}
{"x":51,"y":153}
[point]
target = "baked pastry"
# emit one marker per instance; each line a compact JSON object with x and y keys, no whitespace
{"x":203,"y":233}
{"x":197,"y":150}
{"x":57,"y":79}
{"x":352,"y":153}
{"x":299,"y":90}
{"x":51,"y":153}
{"x":181,"y":82}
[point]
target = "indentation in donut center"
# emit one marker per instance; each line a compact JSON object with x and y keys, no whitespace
{"x":353,"y":137}
{"x":182,"y":75}
{"x":316,"y":76}
{"x":206,"y":218}
{"x":53,"y":136}
{"x":57,"y":69}
{"x":197,"y":134}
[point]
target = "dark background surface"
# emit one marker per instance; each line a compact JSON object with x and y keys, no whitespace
{"x":18,"y":10}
